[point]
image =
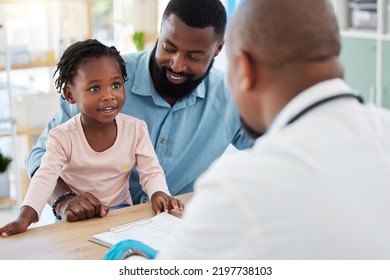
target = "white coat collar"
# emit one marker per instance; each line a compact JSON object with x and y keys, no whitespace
{"x":306,"y":98}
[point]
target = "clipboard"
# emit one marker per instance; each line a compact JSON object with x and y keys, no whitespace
{"x":153,"y":232}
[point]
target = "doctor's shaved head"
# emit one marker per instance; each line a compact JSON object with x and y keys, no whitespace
{"x":277,"y":49}
{"x":279,"y":32}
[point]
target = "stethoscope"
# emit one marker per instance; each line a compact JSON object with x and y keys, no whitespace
{"x":325,"y":100}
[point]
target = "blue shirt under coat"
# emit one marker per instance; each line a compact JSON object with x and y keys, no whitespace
{"x":187,"y":136}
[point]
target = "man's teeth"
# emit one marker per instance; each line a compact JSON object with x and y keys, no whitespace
{"x":176,"y":77}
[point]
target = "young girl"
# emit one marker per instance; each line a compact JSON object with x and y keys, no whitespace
{"x":94,"y":151}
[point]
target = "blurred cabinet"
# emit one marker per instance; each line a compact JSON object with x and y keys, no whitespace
{"x":33,"y":36}
{"x":385,"y":74}
{"x":37,"y":32}
{"x":358,"y":56}
{"x":365,"y":37}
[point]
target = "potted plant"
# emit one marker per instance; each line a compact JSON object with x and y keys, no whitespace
{"x":4,"y":177}
{"x":138,"y":39}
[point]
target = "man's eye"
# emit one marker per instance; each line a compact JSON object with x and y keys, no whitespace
{"x":196,"y":57}
{"x":94,"y":89}
{"x":116,"y":85}
{"x":168,"y":50}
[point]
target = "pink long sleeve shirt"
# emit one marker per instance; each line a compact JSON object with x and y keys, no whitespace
{"x":104,"y":174}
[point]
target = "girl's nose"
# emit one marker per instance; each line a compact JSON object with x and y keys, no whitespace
{"x":108,"y":94}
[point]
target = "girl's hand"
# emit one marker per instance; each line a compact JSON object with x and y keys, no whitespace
{"x":26,"y":216}
{"x":161,"y":202}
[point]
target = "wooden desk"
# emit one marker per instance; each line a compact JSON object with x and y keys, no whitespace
{"x":69,"y":241}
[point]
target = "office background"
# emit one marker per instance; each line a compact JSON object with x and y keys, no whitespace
{"x":34,"y":33}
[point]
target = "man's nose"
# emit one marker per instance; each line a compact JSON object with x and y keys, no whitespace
{"x":178,"y":63}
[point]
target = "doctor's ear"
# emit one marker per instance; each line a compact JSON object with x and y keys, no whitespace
{"x":246,"y":71}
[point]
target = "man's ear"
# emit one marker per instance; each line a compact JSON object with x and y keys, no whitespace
{"x":220,"y":46}
{"x":68,"y":95}
{"x":246,"y":71}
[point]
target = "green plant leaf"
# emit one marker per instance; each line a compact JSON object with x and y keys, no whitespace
{"x":4,"y":162}
{"x":138,"y":39}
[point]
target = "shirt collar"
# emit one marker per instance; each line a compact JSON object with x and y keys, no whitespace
{"x":143,"y":84}
{"x":306,"y":98}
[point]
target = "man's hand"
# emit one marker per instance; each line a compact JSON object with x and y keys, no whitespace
{"x":161,"y":202}
{"x":81,"y":207}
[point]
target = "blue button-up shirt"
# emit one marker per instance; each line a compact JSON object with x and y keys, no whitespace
{"x":187,"y":136}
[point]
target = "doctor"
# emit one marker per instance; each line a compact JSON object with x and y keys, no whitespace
{"x":316,"y":185}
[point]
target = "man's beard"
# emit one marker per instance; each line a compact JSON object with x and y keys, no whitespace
{"x":165,"y":88}
{"x":249,"y":131}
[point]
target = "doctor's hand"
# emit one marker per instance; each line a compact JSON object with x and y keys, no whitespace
{"x":161,"y":202}
{"x":128,"y":248}
{"x":81,"y":207}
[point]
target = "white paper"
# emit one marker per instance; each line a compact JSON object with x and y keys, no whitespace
{"x":153,"y":232}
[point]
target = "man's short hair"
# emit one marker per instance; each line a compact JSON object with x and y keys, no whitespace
{"x":199,"y":14}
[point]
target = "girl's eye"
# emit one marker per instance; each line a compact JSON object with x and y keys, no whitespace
{"x":116,"y":85}
{"x":95,"y":89}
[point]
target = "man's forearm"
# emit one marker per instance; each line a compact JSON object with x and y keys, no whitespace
{"x":60,"y":188}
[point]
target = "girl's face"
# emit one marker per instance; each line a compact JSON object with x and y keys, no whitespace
{"x":97,"y":90}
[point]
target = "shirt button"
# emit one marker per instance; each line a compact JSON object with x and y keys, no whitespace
{"x":162,"y":140}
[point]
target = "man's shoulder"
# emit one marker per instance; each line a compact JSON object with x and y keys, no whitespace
{"x":136,"y":68}
{"x":217,"y":81}
{"x":218,"y":91}
{"x":132,"y":59}
{"x":218,"y":76}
